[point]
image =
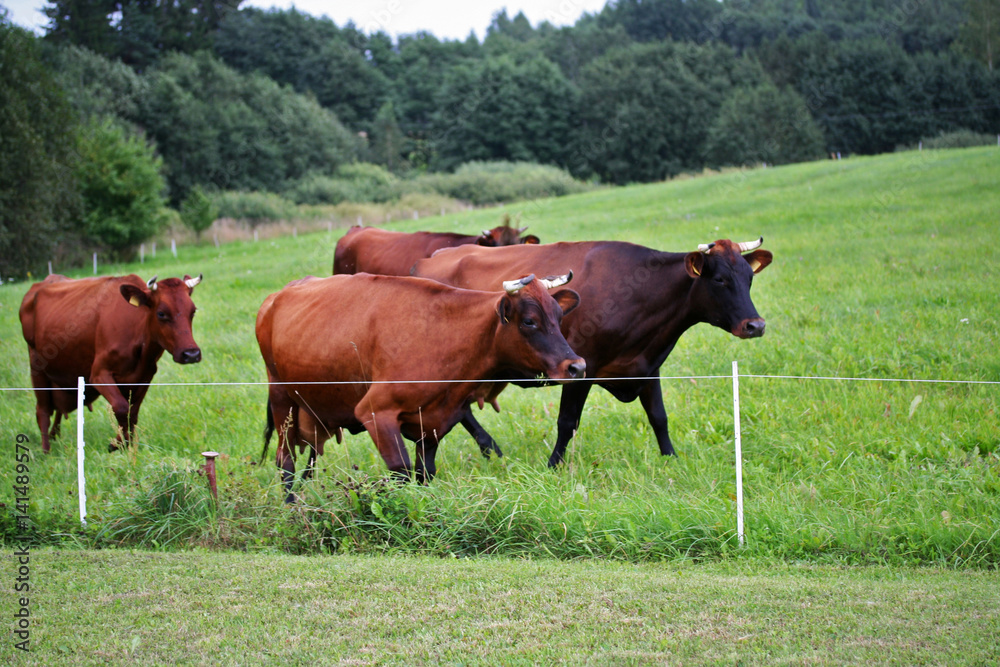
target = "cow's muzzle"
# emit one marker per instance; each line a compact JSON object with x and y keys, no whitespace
{"x":191,"y":356}
{"x":571,"y":369}
{"x":753,"y":328}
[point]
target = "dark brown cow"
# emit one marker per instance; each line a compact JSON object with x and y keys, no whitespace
{"x":635,"y":304}
{"x":111,"y":332}
{"x":374,"y":250}
{"x":373,"y":334}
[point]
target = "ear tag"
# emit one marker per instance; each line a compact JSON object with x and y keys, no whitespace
{"x":696,"y":271}
{"x":755,"y":265}
{"x":134,"y":301}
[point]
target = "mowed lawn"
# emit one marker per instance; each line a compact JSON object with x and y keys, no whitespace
{"x":870,"y":436}
{"x":128,"y":607}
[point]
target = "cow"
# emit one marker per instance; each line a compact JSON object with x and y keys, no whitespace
{"x":374,"y":250}
{"x":400,"y":357}
{"x":635,"y":304}
{"x":111,"y":331}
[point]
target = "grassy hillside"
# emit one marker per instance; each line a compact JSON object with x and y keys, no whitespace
{"x":885,"y":269}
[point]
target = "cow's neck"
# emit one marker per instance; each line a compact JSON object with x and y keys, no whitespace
{"x":663,"y":308}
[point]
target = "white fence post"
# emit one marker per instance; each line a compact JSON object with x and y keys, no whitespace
{"x":81,"y":478}
{"x":739,"y":452}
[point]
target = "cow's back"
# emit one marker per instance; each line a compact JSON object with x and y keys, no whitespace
{"x":388,"y":253}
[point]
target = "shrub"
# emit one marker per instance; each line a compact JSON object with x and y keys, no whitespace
{"x":358,"y":182}
{"x":494,"y":182}
{"x":960,"y":139}
{"x":254,"y":207}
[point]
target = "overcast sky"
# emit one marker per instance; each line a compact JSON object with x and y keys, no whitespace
{"x":446,"y":19}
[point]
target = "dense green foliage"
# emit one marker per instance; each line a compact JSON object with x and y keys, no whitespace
{"x":120,"y":185}
{"x":197,"y":211}
{"x":37,"y":142}
{"x":277,"y":101}
{"x":871,"y":279}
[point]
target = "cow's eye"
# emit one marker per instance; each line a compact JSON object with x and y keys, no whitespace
{"x":529,"y":323}
{"x":162,"y":315}
{"x":719,"y":280}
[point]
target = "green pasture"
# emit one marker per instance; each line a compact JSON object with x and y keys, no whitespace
{"x":146,"y":608}
{"x":886,"y":271}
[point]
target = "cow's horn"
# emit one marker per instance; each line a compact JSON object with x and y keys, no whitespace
{"x":514,"y":286}
{"x":556,"y":281}
{"x":486,"y":233}
{"x":751,"y":245}
{"x":705,"y":247}
{"x":151,"y":283}
{"x":192,"y":282}
{"x":521,"y":230}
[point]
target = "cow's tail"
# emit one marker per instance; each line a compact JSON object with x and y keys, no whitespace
{"x":268,"y":431}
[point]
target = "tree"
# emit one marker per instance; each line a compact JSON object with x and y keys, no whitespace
{"x":139,"y":32}
{"x":386,"y":139}
{"x":38,"y":197}
{"x":979,"y":37}
{"x":763,"y":124}
{"x":645,"y":109}
{"x":121,"y":186}
{"x":198,"y":212}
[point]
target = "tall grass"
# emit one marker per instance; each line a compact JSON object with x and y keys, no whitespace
{"x":885,"y":268}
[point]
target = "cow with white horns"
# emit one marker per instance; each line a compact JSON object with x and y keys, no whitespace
{"x":635,"y":302}
{"x":110,"y":331}
{"x":401,"y":357}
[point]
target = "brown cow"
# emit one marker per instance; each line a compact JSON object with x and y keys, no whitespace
{"x":635,"y":304}
{"x":111,"y":332}
{"x":374,"y":250}
{"x":400,"y":357}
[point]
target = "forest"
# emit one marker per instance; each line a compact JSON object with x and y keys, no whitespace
{"x":125,"y":117}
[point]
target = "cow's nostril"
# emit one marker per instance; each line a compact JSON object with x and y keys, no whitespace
{"x":577,"y":369}
{"x":191,"y":356}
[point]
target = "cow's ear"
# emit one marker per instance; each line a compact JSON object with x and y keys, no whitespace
{"x":567,"y":300}
{"x":505,"y":309}
{"x":134,"y":295}
{"x":759,"y":259}
{"x":694,"y":262}
{"x":531,"y":239}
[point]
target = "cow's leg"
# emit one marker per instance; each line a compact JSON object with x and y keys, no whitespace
{"x":383,"y":427}
{"x":651,"y":398}
{"x":426,"y":451}
{"x":54,"y":433}
{"x":43,"y":405}
{"x":283,"y":414}
{"x":135,"y":397}
{"x":311,"y":464}
{"x":105,"y":383}
{"x":487,"y":445}
{"x":574,"y":396}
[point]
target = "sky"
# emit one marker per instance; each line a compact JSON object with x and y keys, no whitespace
{"x":446,"y":19}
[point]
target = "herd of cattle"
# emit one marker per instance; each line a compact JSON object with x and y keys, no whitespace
{"x":408,"y":334}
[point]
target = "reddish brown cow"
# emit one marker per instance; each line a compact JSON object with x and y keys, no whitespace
{"x":635,"y":304}
{"x":374,"y":250}
{"x":406,"y":357}
{"x":111,"y":332}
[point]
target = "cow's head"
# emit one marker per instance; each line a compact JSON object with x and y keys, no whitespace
{"x":723,"y":275}
{"x":505,"y":235}
{"x":169,"y":311}
{"x":529,"y":327}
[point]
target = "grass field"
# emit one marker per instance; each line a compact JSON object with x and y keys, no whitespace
{"x":885,"y":269}
{"x":146,"y":608}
